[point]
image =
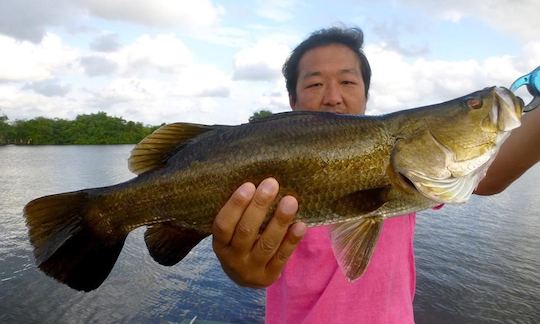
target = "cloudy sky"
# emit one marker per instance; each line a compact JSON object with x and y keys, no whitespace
{"x":218,"y":61}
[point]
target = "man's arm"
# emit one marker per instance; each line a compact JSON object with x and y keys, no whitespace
{"x":250,"y":258}
{"x":518,"y":153}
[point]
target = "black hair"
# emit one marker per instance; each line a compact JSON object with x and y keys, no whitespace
{"x":353,"y":38}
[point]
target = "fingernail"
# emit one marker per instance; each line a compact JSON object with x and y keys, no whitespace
{"x":245,"y":190}
{"x":268,"y":186}
{"x":288,"y":205}
{"x":299,"y":229}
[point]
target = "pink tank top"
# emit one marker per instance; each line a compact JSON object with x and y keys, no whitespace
{"x":313,"y":289}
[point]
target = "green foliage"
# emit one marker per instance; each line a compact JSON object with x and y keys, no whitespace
{"x":260,"y":114}
{"x":5,"y":129}
{"x":85,"y":129}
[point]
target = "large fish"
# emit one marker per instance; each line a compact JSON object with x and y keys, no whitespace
{"x":352,"y":171}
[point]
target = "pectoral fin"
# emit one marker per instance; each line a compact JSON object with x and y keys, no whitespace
{"x":354,"y":243}
{"x":168,"y":244}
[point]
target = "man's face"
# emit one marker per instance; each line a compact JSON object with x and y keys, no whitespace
{"x":330,"y":79}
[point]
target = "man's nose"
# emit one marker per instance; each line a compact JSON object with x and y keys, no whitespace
{"x":332,"y":95}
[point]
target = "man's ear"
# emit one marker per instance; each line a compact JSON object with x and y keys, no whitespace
{"x":292,"y":102}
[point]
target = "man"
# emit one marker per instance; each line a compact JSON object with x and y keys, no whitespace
{"x":329,"y":72}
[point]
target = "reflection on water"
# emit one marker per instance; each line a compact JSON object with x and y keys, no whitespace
{"x":477,"y":263}
{"x":138,"y":289}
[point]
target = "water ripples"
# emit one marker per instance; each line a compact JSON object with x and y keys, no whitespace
{"x":476,"y":263}
{"x":479,"y":262}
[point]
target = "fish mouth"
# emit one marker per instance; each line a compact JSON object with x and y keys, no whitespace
{"x":505,"y":112}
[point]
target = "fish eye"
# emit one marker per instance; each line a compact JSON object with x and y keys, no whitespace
{"x":474,"y":103}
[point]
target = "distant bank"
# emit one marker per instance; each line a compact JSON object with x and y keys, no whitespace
{"x":92,"y":129}
{"x":89,"y":129}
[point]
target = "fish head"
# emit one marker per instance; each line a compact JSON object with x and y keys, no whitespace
{"x":444,"y":151}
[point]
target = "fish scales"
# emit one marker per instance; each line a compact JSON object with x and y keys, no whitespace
{"x":307,"y":162}
{"x":350,"y":171}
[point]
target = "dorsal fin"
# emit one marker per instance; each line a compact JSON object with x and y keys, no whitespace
{"x":154,"y":150}
{"x":304,"y":114}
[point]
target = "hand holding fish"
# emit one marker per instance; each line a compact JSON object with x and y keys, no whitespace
{"x":249,"y":258}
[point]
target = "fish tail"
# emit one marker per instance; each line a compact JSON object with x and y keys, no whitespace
{"x":65,"y":246}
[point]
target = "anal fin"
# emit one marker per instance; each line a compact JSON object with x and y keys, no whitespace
{"x":354,"y":243}
{"x":168,"y":243}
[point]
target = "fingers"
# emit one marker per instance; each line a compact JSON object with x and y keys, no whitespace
{"x":248,"y":257}
{"x":247,"y":229}
{"x":295,"y":233}
{"x":225,"y":222}
{"x":272,"y":237}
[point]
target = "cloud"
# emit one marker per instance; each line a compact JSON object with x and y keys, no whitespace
{"x":19,"y":103}
{"x":163,"y":13}
{"x":223,"y":36}
{"x":398,"y":83}
{"x":277,"y":10}
{"x":26,"y":61}
{"x":510,"y":16}
{"x":392,"y":32}
{"x":121,"y":90}
{"x":97,"y":65}
{"x":146,"y":55}
{"x":153,"y":79}
{"x":105,"y":43}
{"x":249,"y":97}
{"x":215,"y":92}
{"x":48,"y":88}
{"x":257,"y":71}
{"x":262,"y":62}
{"x":164,"y":53}
{"x":159,"y":64}
{"x":163,"y":99}
{"x":28,"y":20}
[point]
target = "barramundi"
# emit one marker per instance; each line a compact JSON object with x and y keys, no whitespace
{"x":345,"y":170}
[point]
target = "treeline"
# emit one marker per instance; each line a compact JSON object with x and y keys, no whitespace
{"x":85,"y":129}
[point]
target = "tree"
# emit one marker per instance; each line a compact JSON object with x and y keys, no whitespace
{"x":95,"y":128}
{"x":5,"y":129}
{"x":260,"y":114}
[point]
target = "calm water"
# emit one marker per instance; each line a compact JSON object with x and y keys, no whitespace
{"x":477,"y":263}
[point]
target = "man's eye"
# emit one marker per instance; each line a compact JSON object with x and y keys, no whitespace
{"x":348,"y":82}
{"x":313,"y":85}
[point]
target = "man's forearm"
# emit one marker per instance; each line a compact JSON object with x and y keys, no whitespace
{"x":519,"y":153}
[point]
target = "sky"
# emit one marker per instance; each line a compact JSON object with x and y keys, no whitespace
{"x":218,"y":62}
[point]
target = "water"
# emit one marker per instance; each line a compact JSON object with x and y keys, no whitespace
{"x":477,"y":263}
{"x":138,"y":289}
